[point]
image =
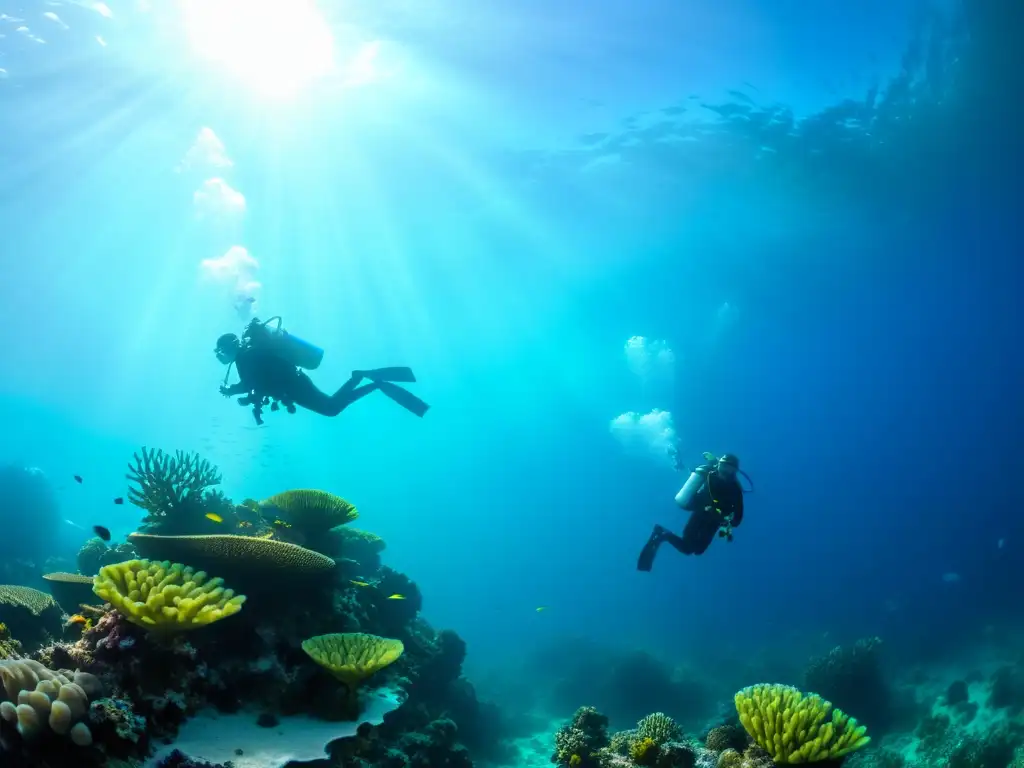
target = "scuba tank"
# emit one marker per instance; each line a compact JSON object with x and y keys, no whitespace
{"x":290,"y":347}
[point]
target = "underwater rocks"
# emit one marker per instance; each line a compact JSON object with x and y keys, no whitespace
{"x":851,"y":677}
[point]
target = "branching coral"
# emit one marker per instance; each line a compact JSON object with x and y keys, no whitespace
{"x":659,"y":728}
{"x":791,"y":726}
{"x":171,"y":490}
{"x":165,"y":596}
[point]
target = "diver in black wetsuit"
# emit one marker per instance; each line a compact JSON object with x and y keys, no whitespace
{"x":269,"y":363}
{"x":714,"y":497}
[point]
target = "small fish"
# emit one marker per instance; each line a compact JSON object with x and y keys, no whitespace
{"x":103,"y":533}
{"x":215,"y":517}
{"x":78,"y":479}
{"x":245,"y":524}
{"x":119,"y":500}
{"x":77,"y":619}
{"x":542,"y":609}
{"x":396,"y":596}
{"x":360,"y":583}
{"x":282,"y":524}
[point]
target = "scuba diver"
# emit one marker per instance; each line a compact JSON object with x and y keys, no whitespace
{"x":269,"y":362}
{"x":714,"y":497}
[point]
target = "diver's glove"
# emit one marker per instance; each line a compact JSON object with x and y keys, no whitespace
{"x":226,"y":391}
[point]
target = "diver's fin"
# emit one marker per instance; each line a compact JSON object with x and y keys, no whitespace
{"x":403,"y":397}
{"x":646,"y":560}
{"x":401,"y":374}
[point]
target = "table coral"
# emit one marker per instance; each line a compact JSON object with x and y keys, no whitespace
{"x":352,"y":657}
{"x":312,"y":511}
{"x":236,"y":556}
{"x":30,"y":615}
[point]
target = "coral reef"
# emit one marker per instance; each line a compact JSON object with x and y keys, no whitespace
{"x":290,"y":670}
{"x":9,"y":647}
{"x":95,"y":553}
{"x":361,"y":547}
{"x":579,"y":741}
{"x":655,"y":742}
{"x":791,"y":726}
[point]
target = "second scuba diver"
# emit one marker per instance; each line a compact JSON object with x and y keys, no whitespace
{"x":714,"y":498}
{"x":270,"y":362}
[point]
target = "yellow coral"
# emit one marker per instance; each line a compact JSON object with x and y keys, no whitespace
{"x":644,"y":751}
{"x":312,"y":510}
{"x":352,"y":656}
{"x":791,"y":726}
{"x":165,"y":596}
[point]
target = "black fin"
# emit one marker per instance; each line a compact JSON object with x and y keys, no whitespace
{"x":646,"y":560}
{"x":399,"y":374}
{"x":404,"y":398}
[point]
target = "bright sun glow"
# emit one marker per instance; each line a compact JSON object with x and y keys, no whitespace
{"x":274,"y":46}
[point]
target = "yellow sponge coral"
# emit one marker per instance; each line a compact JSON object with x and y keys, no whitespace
{"x":791,"y":726}
{"x":165,"y":596}
{"x":352,"y":656}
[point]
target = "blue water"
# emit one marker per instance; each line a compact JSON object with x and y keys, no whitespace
{"x":513,"y":194}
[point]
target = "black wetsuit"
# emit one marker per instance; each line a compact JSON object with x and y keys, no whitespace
{"x":266,"y":378}
{"x":710,"y":508}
